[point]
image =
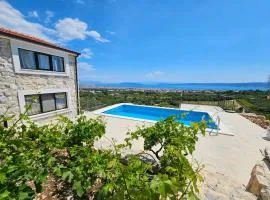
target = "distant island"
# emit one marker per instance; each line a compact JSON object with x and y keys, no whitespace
{"x":263,"y":86}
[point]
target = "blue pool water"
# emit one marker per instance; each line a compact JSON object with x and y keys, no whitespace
{"x":156,"y":114}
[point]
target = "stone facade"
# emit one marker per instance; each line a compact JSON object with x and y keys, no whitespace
{"x":12,"y":82}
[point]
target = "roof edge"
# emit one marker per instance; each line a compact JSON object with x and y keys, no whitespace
{"x":36,"y":40}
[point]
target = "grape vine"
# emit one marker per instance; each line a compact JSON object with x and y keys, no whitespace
{"x":60,"y":160}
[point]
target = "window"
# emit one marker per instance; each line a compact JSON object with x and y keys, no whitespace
{"x":47,"y":102}
{"x":34,"y":101}
{"x":61,"y":100}
{"x":40,"y":61}
{"x":27,"y":59}
{"x":58,"y":64}
{"x":42,"y":103}
{"x":43,"y":62}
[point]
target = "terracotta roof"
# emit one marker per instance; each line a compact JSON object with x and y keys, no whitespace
{"x":33,"y":39}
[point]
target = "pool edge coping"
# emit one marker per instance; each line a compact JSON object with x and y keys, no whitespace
{"x":100,"y":111}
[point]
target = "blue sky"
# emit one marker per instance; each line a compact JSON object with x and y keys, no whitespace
{"x":153,"y":40}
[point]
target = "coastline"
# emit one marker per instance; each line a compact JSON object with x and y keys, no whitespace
{"x":178,"y":87}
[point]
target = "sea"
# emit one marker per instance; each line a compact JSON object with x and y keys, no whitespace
{"x":184,"y":86}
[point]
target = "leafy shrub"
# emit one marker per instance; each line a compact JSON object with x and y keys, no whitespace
{"x":175,"y":174}
{"x":64,"y":151}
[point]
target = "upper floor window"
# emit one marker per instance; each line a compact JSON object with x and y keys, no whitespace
{"x":58,"y":64}
{"x":40,"y":61}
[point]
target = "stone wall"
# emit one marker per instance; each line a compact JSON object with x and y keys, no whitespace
{"x":11,"y":82}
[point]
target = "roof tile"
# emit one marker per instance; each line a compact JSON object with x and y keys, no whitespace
{"x":29,"y":38}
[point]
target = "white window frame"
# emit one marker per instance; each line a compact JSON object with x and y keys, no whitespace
{"x":19,"y":44}
{"x":23,"y":93}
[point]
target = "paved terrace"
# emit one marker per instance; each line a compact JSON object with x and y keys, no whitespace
{"x":231,"y":156}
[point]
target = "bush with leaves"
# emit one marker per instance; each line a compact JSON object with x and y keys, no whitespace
{"x":64,"y":151}
{"x":30,"y":152}
{"x":163,"y":169}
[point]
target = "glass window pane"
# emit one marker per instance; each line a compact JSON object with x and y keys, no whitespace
{"x":35,"y":102}
{"x":58,"y":64}
{"x":27,"y":59}
{"x":48,"y":103}
{"x":61,"y":100}
{"x":44,"y":62}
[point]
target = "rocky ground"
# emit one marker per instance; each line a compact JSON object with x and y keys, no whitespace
{"x":257,"y":119}
{"x":217,"y":186}
{"x":259,"y":183}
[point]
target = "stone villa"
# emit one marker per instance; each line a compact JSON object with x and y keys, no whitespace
{"x":34,"y":71}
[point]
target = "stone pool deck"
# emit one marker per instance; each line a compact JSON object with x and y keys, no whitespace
{"x":231,"y":156}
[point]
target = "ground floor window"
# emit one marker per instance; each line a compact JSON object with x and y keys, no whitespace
{"x":34,"y":101}
{"x":42,"y":103}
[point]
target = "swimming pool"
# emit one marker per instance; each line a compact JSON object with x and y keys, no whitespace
{"x":157,"y":113}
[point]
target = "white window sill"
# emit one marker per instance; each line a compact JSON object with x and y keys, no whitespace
{"x":50,"y":114}
{"x":41,"y":72}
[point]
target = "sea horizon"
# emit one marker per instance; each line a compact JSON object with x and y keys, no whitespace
{"x":263,"y":86}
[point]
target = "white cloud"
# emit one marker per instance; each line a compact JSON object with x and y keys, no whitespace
{"x":97,"y":36}
{"x":154,"y":75}
{"x":14,"y":19}
{"x":66,"y":29}
{"x":33,"y":14}
{"x":85,"y":67}
{"x":86,"y":53}
{"x":49,"y":16}
{"x":80,"y":1}
{"x":70,"y":29}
